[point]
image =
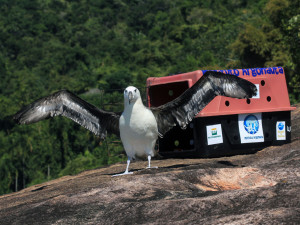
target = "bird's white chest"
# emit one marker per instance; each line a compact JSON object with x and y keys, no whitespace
{"x":138,"y":130}
{"x":138,"y":122}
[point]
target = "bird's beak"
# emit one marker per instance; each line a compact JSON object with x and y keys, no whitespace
{"x":130,"y":96}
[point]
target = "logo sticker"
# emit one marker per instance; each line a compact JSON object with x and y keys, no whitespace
{"x":214,"y":134}
{"x":280,"y":130}
{"x":250,"y":127}
{"x":251,"y":124}
{"x":214,"y":131}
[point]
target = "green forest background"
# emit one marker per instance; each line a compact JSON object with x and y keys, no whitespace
{"x":95,"y":48}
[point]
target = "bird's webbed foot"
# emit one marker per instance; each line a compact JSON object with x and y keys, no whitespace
{"x":151,"y":167}
{"x":121,"y":174}
{"x":126,"y":171}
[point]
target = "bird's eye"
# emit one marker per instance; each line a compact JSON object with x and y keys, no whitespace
{"x":125,"y":91}
{"x":135,"y":90}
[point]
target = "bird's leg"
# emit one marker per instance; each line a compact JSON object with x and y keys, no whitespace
{"x":126,"y":171}
{"x":149,"y":163}
{"x":127,"y":167}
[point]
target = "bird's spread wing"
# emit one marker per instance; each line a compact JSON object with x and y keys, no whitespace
{"x":183,"y":109}
{"x":67,"y":104}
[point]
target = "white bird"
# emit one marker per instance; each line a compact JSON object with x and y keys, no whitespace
{"x":138,"y":126}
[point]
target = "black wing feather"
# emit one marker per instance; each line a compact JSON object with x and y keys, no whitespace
{"x":183,"y":109}
{"x":67,"y":104}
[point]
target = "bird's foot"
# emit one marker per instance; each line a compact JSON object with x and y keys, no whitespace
{"x":121,"y":174}
{"x":151,"y":167}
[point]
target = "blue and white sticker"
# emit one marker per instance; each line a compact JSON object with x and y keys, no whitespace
{"x":214,"y":134}
{"x":250,"y":127}
{"x":280,"y":130}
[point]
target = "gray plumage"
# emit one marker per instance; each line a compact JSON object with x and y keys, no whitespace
{"x":65,"y":103}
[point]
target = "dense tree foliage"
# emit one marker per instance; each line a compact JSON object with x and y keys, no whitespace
{"x":95,"y":48}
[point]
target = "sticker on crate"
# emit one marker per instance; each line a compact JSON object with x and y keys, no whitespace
{"x":214,"y":134}
{"x":250,"y":127}
{"x":280,"y":130}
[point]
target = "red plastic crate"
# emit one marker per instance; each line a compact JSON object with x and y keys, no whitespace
{"x":270,"y":107}
{"x":273,"y":94}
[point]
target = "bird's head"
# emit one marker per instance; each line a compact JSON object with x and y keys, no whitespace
{"x":131,"y":94}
